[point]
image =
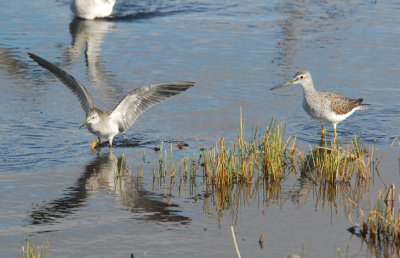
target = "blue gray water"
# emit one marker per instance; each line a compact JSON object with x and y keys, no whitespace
{"x":52,"y":188}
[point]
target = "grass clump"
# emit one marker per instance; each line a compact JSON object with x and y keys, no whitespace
{"x":334,"y":163}
{"x":380,"y":229}
{"x":30,"y":251}
{"x":382,"y":222}
{"x":277,"y":151}
{"x":267,"y":155}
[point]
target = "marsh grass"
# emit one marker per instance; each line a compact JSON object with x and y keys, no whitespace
{"x":186,"y":167}
{"x":333,"y":163}
{"x":380,"y":229}
{"x":29,"y":250}
{"x":383,"y":222}
{"x":278,"y":152}
{"x":231,"y":172}
{"x":269,"y":155}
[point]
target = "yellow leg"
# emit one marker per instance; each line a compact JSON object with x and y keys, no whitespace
{"x":323,"y":130}
{"x":334,"y":131}
{"x":93,"y":145}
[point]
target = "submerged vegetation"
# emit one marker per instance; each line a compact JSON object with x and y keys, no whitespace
{"x":29,"y":250}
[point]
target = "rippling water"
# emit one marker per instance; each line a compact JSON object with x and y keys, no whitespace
{"x":53,"y":188}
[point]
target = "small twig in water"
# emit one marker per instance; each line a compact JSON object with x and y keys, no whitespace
{"x":234,"y":241}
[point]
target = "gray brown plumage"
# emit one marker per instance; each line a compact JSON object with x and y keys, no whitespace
{"x":341,"y":105}
{"x":324,"y":106}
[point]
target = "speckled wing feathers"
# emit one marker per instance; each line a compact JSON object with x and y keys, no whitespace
{"x":341,"y":105}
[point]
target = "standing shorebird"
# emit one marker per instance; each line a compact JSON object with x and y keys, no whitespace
{"x":91,"y":9}
{"x":108,"y":124}
{"x":324,"y":106}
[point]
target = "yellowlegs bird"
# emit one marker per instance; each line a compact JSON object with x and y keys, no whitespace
{"x":108,"y":124}
{"x":324,"y":106}
{"x":91,"y":9}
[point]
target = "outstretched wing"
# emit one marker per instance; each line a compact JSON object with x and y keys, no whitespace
{"x":141,"y":99}
{"x":340,"y":104}
{"x":76,"y":87}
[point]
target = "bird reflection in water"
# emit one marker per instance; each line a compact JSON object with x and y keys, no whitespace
{"x":88,"y":38}
{"x":109,"y":172}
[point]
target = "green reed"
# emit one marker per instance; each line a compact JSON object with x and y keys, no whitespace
{"x":334,"y":163}
{"x":31,"y":251}
{"x":265,"y":155}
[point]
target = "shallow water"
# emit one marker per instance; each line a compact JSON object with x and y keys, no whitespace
{"x":54,"y":189}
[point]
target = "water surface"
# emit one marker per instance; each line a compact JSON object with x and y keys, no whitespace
{"x":54,"y":189}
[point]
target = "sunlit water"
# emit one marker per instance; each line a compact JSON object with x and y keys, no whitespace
{"x":52,"y":188}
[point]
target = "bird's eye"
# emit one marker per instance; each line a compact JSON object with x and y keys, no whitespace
{"x":301,"y":77}
{"x":92,"y":117}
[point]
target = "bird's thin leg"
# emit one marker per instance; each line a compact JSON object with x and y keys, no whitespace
{"x":323,"y":130}
{"x":334,"y":130}
{"x":99,"y":140}
{"x":110,"y":142}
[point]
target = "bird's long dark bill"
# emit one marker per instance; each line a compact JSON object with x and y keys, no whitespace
{"x":83,"y":125}
{"x":289,"y":83}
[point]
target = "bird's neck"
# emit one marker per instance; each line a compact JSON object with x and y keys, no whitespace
{"x":308,"y":88}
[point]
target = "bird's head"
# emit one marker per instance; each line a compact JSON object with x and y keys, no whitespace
{"x":302,"y":77}
{"x":92,"y":117}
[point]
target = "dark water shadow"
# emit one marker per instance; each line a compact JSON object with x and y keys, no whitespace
{"x":128,"y":11}
{"x":108,"y":172}
{"x":128,"y":17}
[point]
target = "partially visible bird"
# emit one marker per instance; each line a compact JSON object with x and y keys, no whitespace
{"x":108,"y":124}
{"x":91,"y":9}
{"x":324,"y":106}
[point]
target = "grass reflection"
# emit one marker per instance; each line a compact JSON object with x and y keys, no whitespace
{"x":380,"y":227}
